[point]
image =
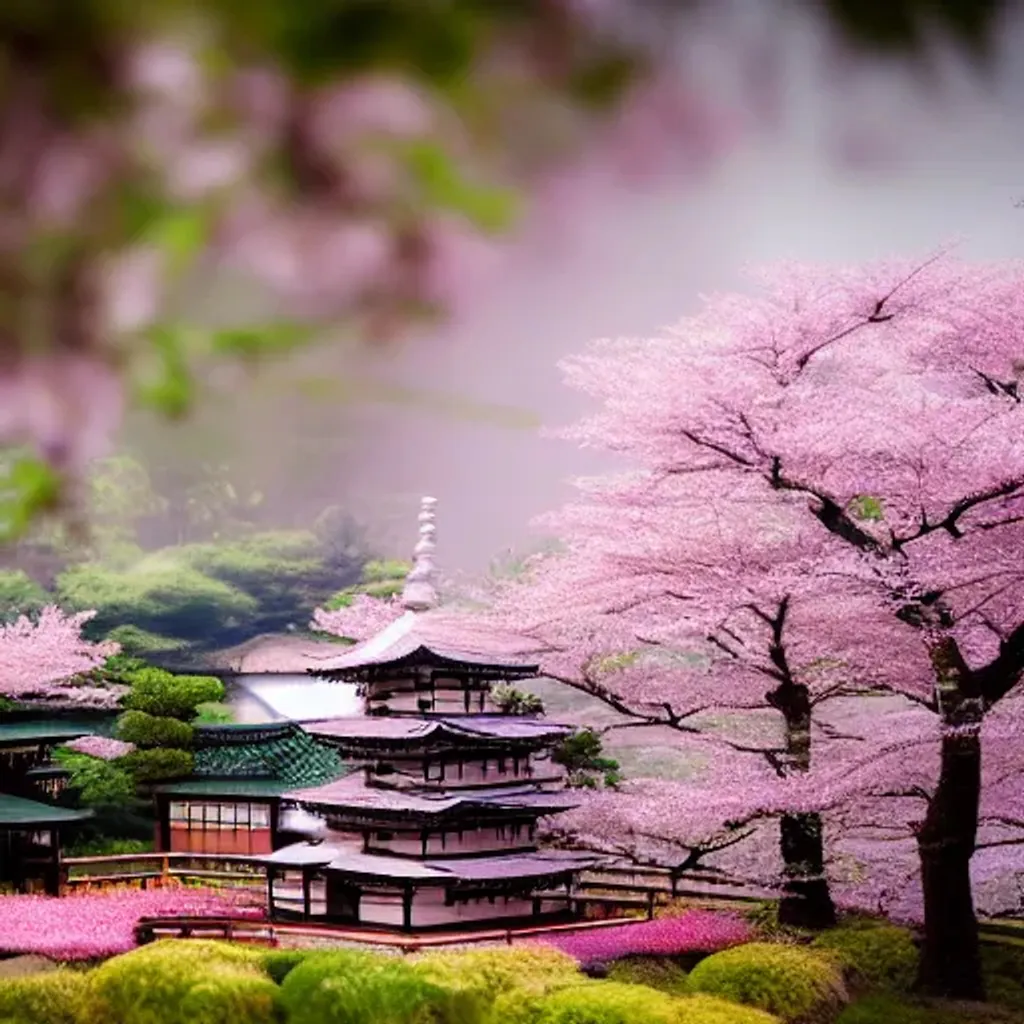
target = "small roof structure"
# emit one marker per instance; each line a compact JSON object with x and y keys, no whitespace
{"x":355,"y":795}
{"x":17,"y":813}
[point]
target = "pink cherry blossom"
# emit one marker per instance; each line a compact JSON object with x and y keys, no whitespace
{"x":103,"y":747}
{"x":87,"y":926}
{"x":38,"y":659}
{"x":696,"y":931}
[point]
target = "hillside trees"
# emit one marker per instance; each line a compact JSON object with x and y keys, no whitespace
{"x":829,"y":498}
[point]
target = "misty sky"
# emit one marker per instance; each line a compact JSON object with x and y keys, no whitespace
{"x":932,"y":166}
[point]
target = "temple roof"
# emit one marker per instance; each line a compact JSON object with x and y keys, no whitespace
{"x":276,"y":756}
{"x":20,"y":732}
{"x":410,"y":731}
{"x":17,"y":812}
{"x":428,"y":639}
{"x":538,"y":864}
{"x":353,"y":793}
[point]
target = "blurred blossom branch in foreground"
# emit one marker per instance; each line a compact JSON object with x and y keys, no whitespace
{"x":352,"y":159}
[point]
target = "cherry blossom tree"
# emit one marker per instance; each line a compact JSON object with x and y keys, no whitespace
{"x":38,"y":659}
{"x":829,"y":500}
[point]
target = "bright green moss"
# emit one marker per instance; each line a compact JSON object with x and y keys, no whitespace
{"x":56,"y":997}
{"x":791,"y":982}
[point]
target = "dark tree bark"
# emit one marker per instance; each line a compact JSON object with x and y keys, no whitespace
{"x":950,"y":958}
{"x":806,"y":899}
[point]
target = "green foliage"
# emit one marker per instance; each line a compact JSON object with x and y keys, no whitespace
{"x":53,"y":997}
{"x":29,"y":488}
{"x":580,"y":754}
{"x":512,"y":701}
{"x":358,"y":988}
{"x":96,"y":784}
{"x":191,"y":982}
{"x":135,"y":641}
{"x":613,"y":1002}
{"x":792,"y":982}
{"x":1003,"y":967}
{"x":889,"y":1008}
{"x":157,"y":765}
{"x":380,"y":579}
{"x":146,"y":731}
{"x":165,"y":695}
{"x":279,"y":963}
{"x":657,"y":972}
{"x":492,"y":973}
{"x":106,"y":847}
{"x":882,"y":956}
{"x":20,"y":595}
{"x":214,"y":713}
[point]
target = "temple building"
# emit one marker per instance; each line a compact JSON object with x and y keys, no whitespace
{"x":231,"y":803}
{"x":437,"y":825}
{"x":32,"y":826}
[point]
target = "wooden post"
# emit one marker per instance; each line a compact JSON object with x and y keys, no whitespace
{"x":650,"y":904}
{"x":306,"y":899}
{"x":407,"y":907}
{"x":270,"y":893}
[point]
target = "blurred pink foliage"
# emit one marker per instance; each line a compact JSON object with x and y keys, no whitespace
{"x":89,"y":925}
{"x":696,"y":931}
{"x":103,"y":747}
{"x":38,"y":659}
{"x":358,"y":621}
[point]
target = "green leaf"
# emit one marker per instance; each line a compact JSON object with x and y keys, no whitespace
{"x":867,"y":508}
{"x":171,"y":388}
{"x":267,"y":339}
{"x":28,"y":487}
{"x":182,"y":234}
{"x":442,"y":187}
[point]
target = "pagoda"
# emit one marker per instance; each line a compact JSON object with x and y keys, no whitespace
{"x":437,"y":825}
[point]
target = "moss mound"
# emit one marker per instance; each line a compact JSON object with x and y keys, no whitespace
{"x":53,"y":997}
{"x":794,"y":983}
{"x":183,"y":982}
{"x":880,"y":956}
{"x":348,"y":987}
{"x":656,"y":972}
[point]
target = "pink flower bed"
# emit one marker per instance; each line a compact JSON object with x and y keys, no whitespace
{"x":697,"y":931}
{"x":89,"y":925}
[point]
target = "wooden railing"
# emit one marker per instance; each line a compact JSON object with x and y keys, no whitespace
{"x":147,"y":870}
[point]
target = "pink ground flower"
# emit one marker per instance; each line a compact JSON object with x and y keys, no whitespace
{"x":697,"y":931}
{"x":91,"y":925}
{"x":103,"y":747}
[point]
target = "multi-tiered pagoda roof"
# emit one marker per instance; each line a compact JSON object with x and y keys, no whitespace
{"x":438,"y":825}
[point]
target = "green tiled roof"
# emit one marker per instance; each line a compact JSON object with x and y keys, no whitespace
{"x":41,"y":731}
{"x":289,"y":756}
{"x":236,"y":787}
{"x":16,"y":811}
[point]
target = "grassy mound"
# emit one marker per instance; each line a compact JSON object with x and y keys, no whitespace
{"x":794,"y":983}
{"x":880,"y":956}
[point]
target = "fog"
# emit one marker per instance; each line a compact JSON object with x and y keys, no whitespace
{"x":861,"y":163}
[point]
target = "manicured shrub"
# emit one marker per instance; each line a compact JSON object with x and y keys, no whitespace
{"x":794,"y":983}
{"x":363,"y":988}
{"x":610,"y":1002}
{"x":696,"y":931}
{"x":164,"y":695}
{"x":146,"y":731}
{"x":278,"y":963}
{"x":491,"y":972}
{"x":881,"y":956}
{"x":56,"y":997}
{"x":157,"y":765}
{"x":654,"y":971}
{"x":183,"y":982}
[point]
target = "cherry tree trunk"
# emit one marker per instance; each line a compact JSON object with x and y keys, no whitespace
{"x":806,"y":899}
{"x":950,"y":959}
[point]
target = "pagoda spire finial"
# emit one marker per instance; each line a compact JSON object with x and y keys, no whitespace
{"x":420,"y":592}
